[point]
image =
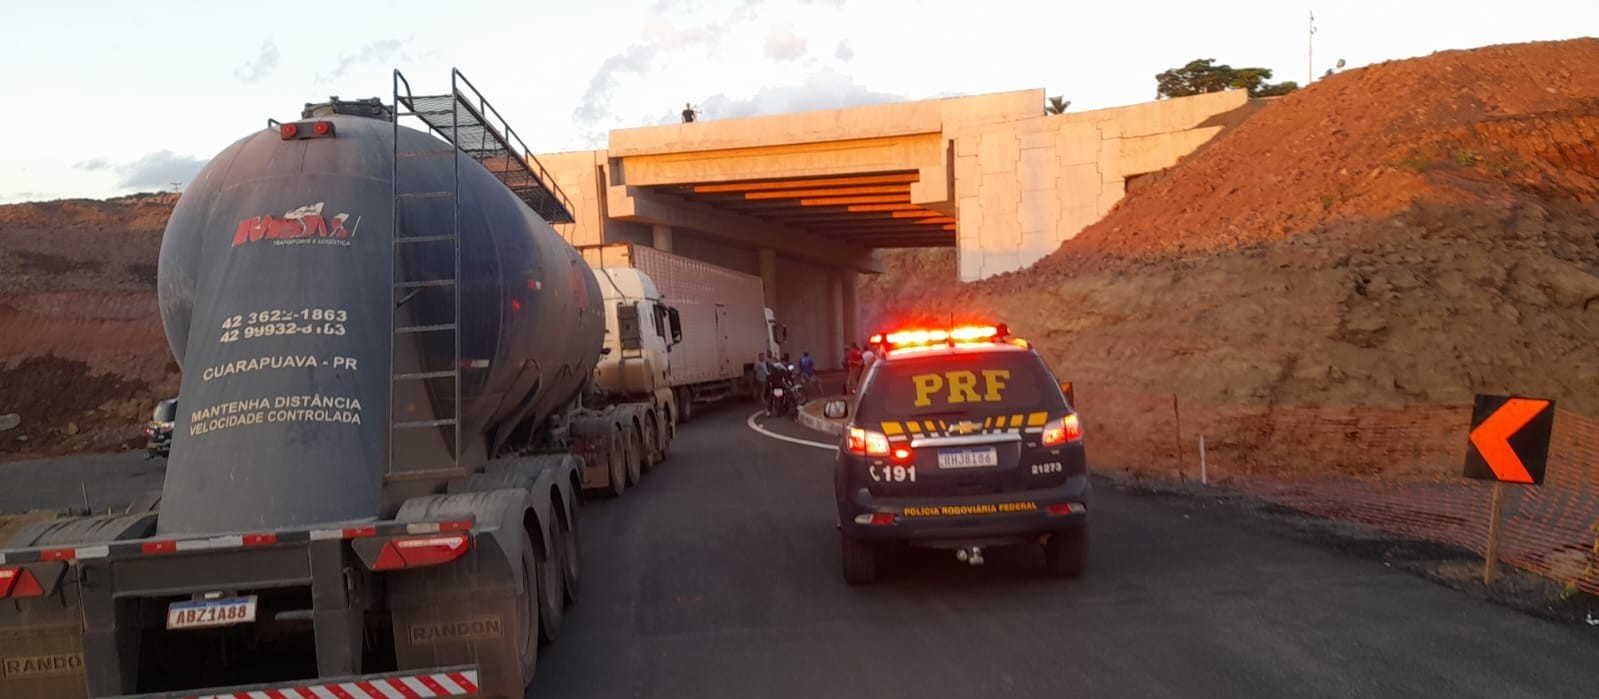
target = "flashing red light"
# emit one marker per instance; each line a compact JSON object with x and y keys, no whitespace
{"x":877,"y":339}
{"x":516,"y":306}
{"x":289,"y":131}
{"x":322,"y":128}
{"x":902,"y":454}
{"x":417,"y":552}
{"x":18,"y":582}
{"x":904,"y":339}
{"x":1066,"y":429}
{"x":882,"y":518}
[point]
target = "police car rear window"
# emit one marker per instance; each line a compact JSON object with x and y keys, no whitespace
{"x":979,"y":383}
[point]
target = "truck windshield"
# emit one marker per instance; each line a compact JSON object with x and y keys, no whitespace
{"x":165,"y":411}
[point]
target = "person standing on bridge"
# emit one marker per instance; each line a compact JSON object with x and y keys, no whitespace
{"x":688,"y":113}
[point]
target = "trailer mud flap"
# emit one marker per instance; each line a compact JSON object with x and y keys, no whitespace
{"x":41,"y":648}
{"x":467,"y":612}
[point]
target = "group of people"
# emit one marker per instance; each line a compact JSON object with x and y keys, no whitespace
{"x":858,"y":361}
{"x":771,"y":370}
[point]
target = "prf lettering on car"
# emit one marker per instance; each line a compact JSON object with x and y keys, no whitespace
{"x":961,"y":386}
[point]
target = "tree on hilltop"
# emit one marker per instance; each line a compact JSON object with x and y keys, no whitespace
{"x":1203,"y":76}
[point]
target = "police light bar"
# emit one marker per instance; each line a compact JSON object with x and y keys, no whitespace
{"x":966,"y":334}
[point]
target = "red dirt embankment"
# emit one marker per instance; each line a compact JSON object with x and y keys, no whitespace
{"x":82,"y":353}
{"x":1410,"y":232}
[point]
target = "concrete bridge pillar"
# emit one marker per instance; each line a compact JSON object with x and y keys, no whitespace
{"x":662,"y":237}
{"x":852,"y":318}
{"x":769,"y":276}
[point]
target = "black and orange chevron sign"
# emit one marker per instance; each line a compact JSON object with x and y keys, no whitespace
{"x":1509,"y":439}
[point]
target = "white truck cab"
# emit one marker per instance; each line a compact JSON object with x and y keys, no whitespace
{"x":639,"y":332}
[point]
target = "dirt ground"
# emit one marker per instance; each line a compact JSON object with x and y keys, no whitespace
{"x":83,"y":357}
{"x":1408,"y":233}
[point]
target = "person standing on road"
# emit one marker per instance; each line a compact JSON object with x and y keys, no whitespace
{"x":868,"y":357}
{"x":762,"y":369}
{"x":807,"y":370}
{"x":856,"y":362}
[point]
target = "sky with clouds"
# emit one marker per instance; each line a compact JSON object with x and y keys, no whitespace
{"x":113,"y":97}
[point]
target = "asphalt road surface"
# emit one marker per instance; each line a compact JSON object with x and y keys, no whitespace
{"x":719,"y":577}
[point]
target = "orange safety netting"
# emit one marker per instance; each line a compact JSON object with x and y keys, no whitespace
{"x":1396,"y":468}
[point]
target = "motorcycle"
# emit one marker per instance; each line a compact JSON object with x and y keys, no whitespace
{"x":782,"y":398}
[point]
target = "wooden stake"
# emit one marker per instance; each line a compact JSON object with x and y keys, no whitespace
{"x":1178,"y":415}
{"x":1490,"y":566}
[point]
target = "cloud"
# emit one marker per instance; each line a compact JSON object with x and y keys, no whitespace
{"x":782,"y":44}
{"x":826,"y":89}
{"x":661,"y":38}
{"x":843,"y":52}
{"x":159,"y":169}
{"x":258,"y":69}
{"x":92,"y":164}
{"x":390,"y":51}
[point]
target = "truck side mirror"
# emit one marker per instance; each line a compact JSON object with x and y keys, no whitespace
{"x":676,"y":323}
{"x":836,"y":409}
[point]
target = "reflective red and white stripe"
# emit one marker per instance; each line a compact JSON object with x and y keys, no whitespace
{"x":436,"y":684}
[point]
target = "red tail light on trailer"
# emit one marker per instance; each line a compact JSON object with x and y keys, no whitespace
{"x":422,"y":551}
{"x":16,"y":583}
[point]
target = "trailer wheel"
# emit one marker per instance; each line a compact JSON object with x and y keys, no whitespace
{"x":685,"y":405}
{"x":567,"y":530}
{"x":552,"y":585}
{"x":635,"y":458}
{"x":652,"y":445}
{"x":616,"y":454}
{"x":527,"y":631}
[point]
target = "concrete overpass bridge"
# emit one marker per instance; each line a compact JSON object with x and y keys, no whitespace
{"x":805,"y":200}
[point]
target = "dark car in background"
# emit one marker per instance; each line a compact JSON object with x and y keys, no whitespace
{"x":158,"y":433}
{"x":961,"y":439}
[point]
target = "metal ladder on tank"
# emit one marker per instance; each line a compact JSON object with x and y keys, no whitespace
{"x":405,"y":290}
{"x":474,"y":129}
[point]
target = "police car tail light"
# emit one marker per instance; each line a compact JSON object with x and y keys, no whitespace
{"x":867,"y":442}
{"x":1063,"y":430}
{"x":902,"y":454}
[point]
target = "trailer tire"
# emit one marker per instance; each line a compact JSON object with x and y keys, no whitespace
{"x":566,"y":529}
{"x":652,"y":442}
{"x":528,"y":627}
{"x":615,"y":454}
{"x":635,"y":456}
{"x":552,"y":589}
{"x":685,"y":405}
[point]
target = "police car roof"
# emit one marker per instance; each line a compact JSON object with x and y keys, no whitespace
{"x":960,"y":348}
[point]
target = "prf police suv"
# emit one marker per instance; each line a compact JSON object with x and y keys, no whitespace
{"x":961,"y":439}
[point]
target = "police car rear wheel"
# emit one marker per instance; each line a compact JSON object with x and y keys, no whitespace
{"x":860,"y":561}
{"x":1066,"y":552}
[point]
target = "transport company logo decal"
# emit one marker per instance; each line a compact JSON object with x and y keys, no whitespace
{"x":302,"y":226}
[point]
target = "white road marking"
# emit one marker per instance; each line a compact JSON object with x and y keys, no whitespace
{"x":785,"y":438}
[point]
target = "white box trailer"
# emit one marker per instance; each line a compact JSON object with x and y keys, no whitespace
{"x":723,"y":314}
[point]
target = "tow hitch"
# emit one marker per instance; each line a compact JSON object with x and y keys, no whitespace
{"x":970,"y":554}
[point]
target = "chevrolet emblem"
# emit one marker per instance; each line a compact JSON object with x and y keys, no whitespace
{"x":967,"y":427}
